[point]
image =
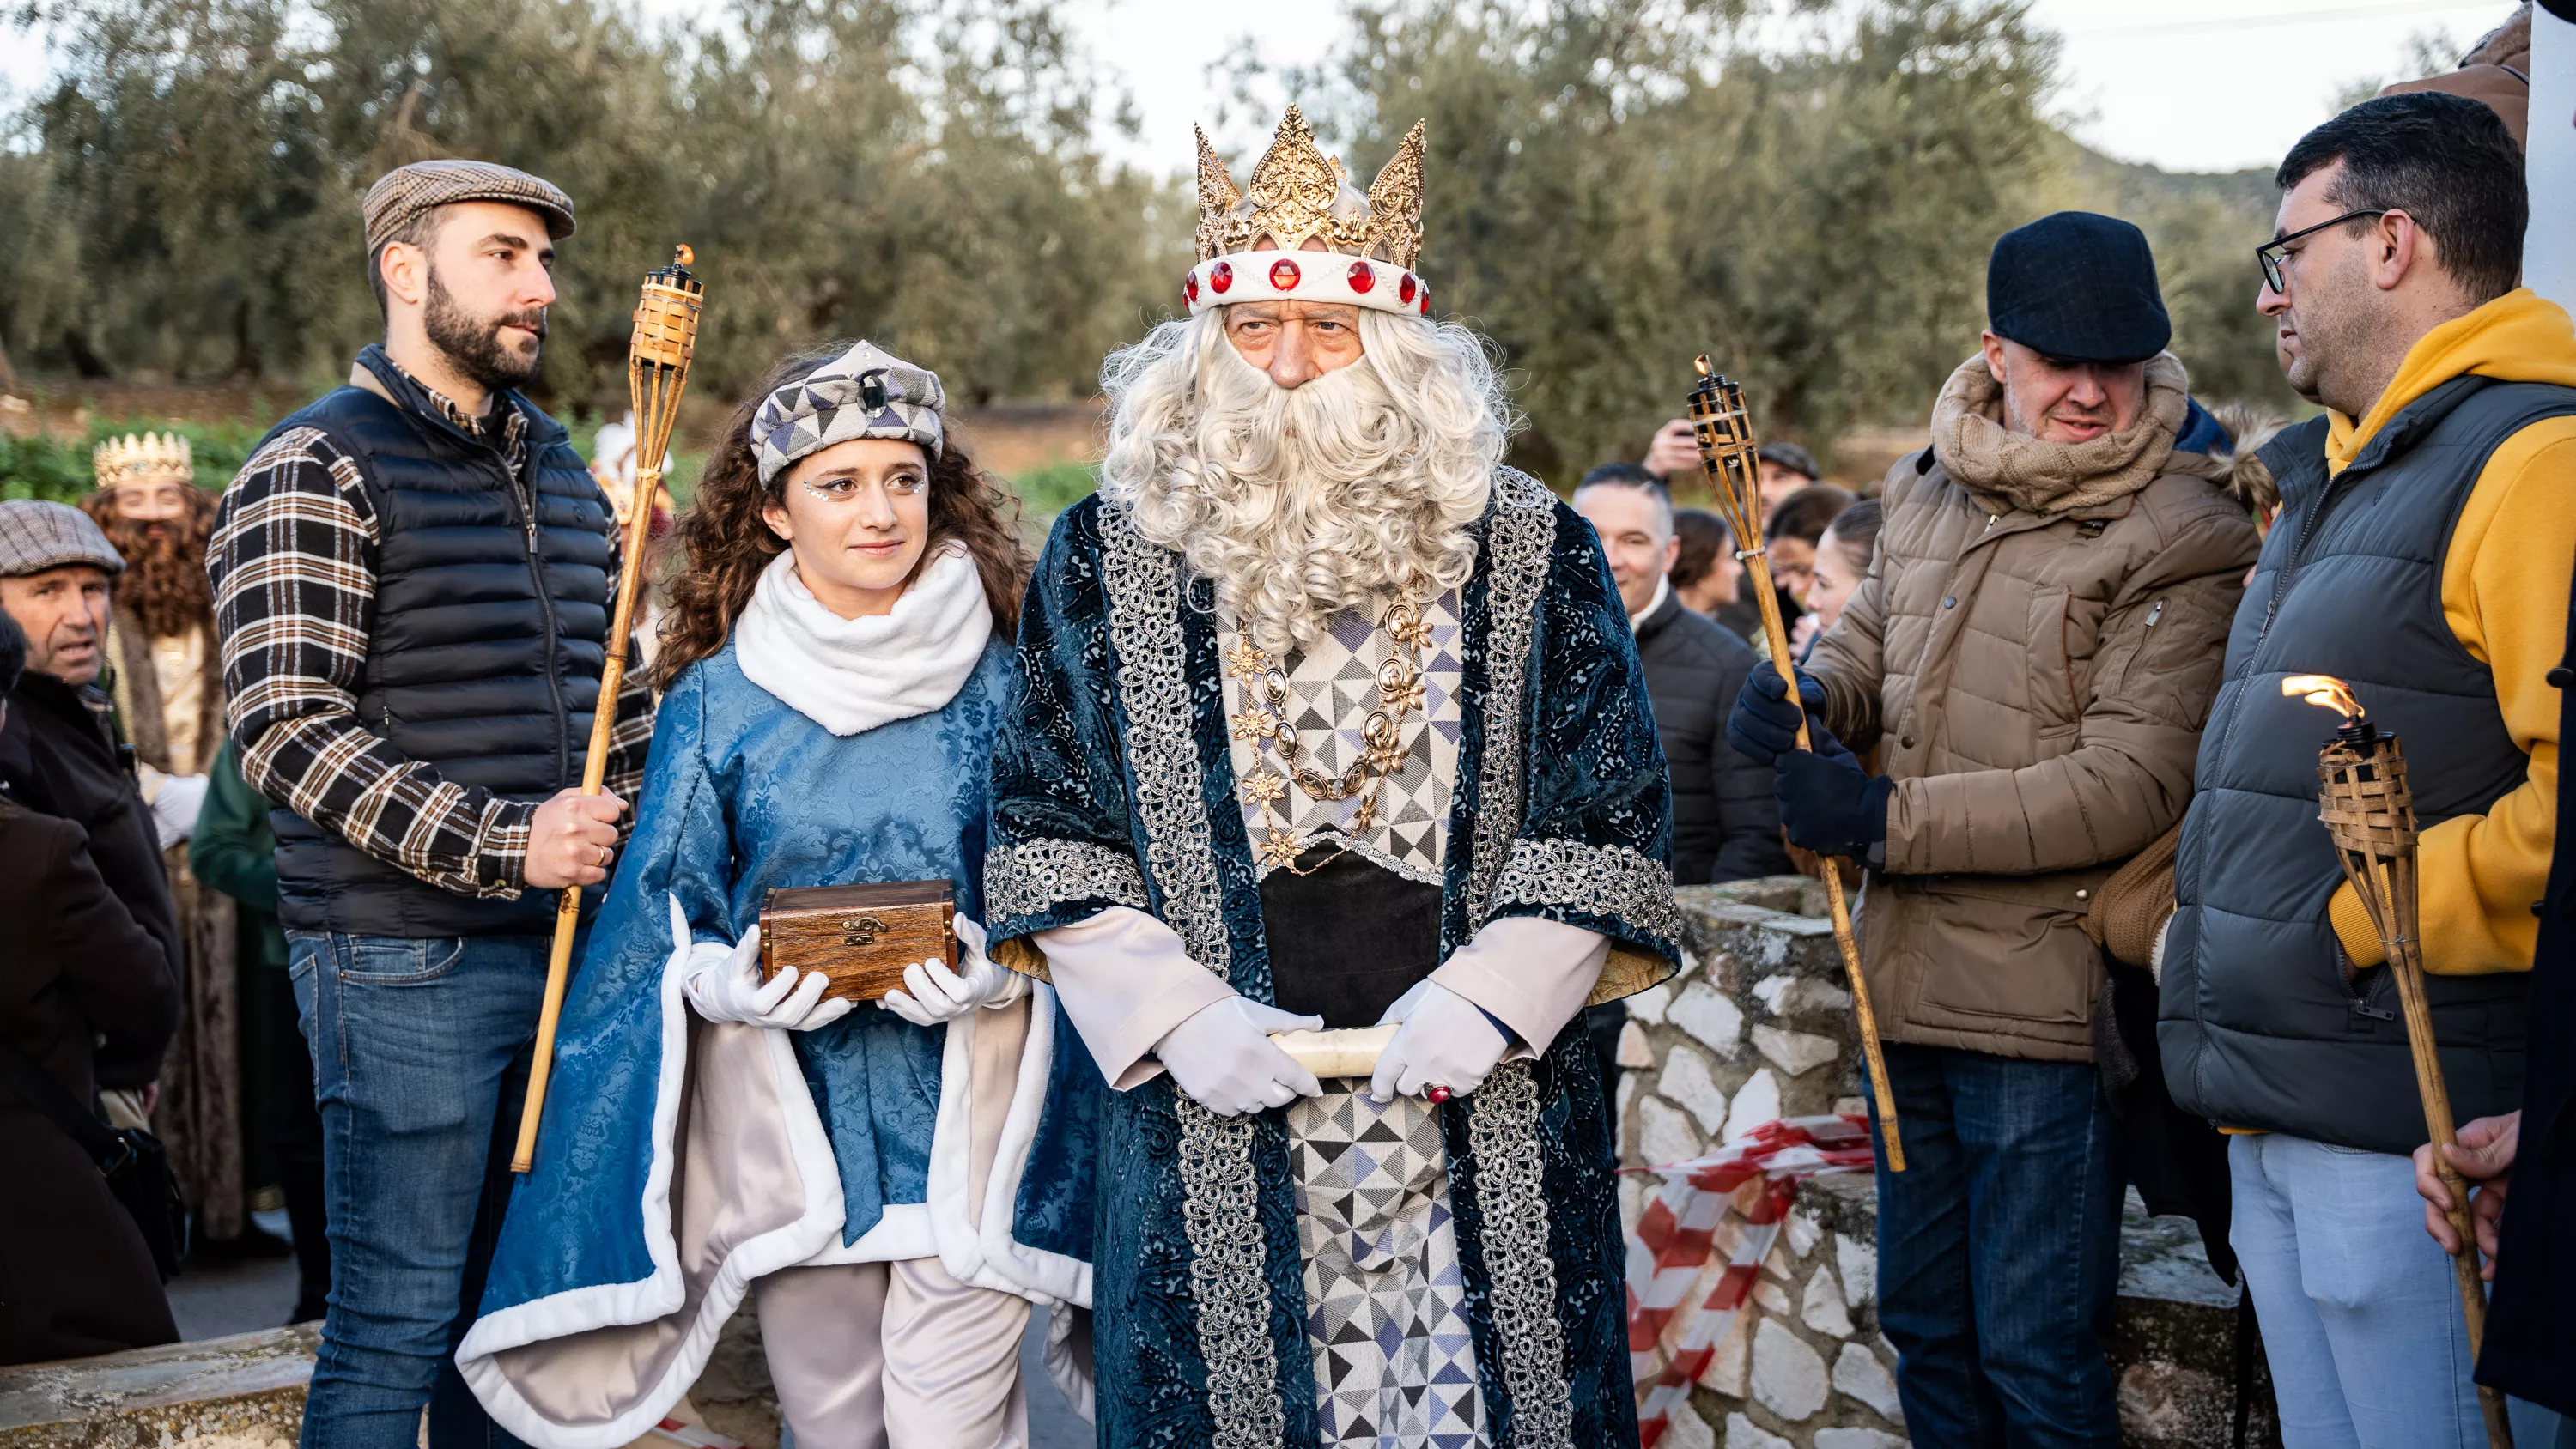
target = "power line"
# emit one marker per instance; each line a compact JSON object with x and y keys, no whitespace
{"x":2278,"y":18}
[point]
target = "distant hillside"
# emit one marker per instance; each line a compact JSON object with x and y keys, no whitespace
{"x":2204,"y":228}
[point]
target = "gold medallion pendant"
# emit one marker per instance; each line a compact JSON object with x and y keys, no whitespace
{"x":1400,"y":694}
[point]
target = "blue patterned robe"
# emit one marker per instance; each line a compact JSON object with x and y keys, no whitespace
{"x":680,"y":1159}
{"x":1112,"y":786}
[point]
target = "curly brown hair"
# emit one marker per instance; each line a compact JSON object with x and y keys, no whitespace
{"x":728,"y":542}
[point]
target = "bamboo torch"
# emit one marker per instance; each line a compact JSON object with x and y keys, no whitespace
{"x":657,"y":368}
{"x":1725,"y":433}
{"x":2369,"y":810}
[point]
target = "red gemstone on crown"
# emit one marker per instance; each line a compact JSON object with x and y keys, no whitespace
{"x":1220,"y":277}
{"x":1363,"y":276}
{"x":1283,"y":275}
{"x":1190,"y":289}
{"x":1404,"y":289}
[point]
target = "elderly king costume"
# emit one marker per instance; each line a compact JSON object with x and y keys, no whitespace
{"x":169,"y":693}
{"x":1341,"y":1271}
{"x":681,"y":1158}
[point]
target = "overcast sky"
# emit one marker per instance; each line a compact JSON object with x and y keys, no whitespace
{"x":2189,"y":85}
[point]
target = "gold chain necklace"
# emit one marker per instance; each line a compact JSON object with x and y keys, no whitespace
{"x":1399,"y":692}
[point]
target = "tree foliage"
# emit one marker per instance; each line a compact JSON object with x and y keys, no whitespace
{"x":187,"y":192}
{"x":1806,"y":189}
{"x":1615,"y":187}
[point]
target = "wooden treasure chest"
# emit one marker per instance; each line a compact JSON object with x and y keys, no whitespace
{"x":861,"y":936}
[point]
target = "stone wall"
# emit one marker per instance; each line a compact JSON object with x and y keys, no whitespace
{"x":1757,"y":1026}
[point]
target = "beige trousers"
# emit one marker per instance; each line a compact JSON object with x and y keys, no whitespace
{"x":894,"y":1356}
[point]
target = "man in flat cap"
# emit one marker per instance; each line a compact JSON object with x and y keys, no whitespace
{"x":412,"y":584}
{"x":2033,"y":654}
{"x":59,"y":753}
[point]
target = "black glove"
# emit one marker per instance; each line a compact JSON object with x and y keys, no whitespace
{"x":1764,"y":725}
{"x":1828,"y":803}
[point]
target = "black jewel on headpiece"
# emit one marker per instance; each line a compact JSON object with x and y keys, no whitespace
{"x":872,"y":392}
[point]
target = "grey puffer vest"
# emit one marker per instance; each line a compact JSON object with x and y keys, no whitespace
{"x":2258,"y":1026}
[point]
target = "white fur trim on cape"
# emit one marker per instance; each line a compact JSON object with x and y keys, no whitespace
{"x":849,"y":675}
{"x":907,"y":1230}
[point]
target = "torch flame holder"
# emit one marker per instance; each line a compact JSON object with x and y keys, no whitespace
{"x":657,"y":369}
{"x":2369,"y":811}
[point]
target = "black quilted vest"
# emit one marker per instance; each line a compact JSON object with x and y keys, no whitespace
{"x":2258,"y":1026}
{"x":484,"y":644}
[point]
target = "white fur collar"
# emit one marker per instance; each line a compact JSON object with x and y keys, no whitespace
{"x":849,"y":675}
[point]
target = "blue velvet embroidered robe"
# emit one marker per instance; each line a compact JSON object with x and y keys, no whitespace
{"x":679,"y":1159}
{"x":1112,"y":786}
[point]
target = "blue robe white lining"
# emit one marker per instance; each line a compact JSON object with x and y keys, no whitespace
{"x":578,"y":1349}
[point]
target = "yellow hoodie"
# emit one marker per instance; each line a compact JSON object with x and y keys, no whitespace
{"x":2505,"y":594}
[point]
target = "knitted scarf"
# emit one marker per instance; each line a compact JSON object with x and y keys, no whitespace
{"x":849,"y":675}
{"x":2010,"y":471}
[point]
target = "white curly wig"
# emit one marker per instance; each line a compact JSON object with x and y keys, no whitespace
{"x":1303,"y":502}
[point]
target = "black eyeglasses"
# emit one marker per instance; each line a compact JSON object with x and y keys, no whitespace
{"x":2271,"y":253}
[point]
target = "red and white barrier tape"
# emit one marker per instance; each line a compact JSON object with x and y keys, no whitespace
{"x":1755,"y":1178}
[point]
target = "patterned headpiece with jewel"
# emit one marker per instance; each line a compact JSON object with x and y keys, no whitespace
{"x":152,"y":458}
{"x":1250,"y":241}
{"x":866,"y":392}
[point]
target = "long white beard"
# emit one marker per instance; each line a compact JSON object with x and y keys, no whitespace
{"x":1299,"y":503}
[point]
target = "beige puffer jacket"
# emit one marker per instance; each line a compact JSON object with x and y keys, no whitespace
{"x":2035,"y":651}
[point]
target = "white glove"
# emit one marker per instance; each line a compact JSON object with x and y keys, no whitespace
{"x":1222,"y":1057}
{"x":932,"y":993}
{"x":174,"y":807}
{"x":724,"y":985}
{"x":1446,"y":1041}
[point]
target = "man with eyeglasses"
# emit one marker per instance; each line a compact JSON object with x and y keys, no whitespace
{"x":2422,"y":554}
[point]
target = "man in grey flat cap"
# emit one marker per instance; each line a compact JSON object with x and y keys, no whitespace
{"x":412,"y":584}
{"x":59,"y":754}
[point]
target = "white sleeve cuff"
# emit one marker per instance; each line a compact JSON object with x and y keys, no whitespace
{"x":1126,"y":980}
{"x":1533,"y":973}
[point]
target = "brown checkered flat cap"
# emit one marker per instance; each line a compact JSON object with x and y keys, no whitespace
{"x":407,"y":191}
{"x":36,"y":535}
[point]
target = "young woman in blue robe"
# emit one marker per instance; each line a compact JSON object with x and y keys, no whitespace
{"x":892,"y":1183}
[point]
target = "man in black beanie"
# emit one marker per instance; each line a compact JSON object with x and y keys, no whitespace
{"x":2033,"y":656}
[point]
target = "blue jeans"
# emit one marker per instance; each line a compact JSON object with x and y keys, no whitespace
{"x":2360,"y":1310}
{"x":420,"y":1061}
{"x":1999,"y":1249}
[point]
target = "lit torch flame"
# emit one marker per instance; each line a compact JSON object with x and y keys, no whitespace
{"x":2326,"y":691}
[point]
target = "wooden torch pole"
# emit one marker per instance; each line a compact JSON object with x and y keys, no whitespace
{"x":1725,"y":433}
{"x":657,"y":368}
{"x":2369,"y":810}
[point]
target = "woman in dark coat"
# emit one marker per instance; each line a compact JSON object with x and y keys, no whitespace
{"x":75,"y":1275}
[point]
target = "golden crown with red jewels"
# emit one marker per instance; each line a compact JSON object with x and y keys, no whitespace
{"x":1251,"y":242}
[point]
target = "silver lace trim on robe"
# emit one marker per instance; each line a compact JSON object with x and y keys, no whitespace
{"x":1219,"y":1189}
{"x":1029,"y":877}
{"x":1598,"y":880}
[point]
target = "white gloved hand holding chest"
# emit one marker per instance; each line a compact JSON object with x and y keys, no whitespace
{"x":931,"y":993}
{"x":1445,"y":1041}
{"x":1222,"y":1057}
{"x":723,"y":983}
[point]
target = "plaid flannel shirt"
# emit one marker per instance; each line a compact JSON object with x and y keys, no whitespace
{"x":293,"y":563}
